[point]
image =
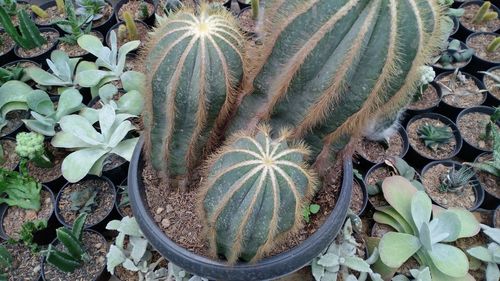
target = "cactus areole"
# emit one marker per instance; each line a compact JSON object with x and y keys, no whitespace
{"x":325,"y":71}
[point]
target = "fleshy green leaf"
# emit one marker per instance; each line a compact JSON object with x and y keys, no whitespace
{"x":449,"y":260}
{"x":396,"y":248}
{"x":114,"y":258}
{"x":77,"y":164}
{"x":398,"y":192}
{"x":421,"y":208}
{"x":480,"y":253}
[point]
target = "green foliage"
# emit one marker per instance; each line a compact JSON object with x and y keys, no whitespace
{"x":10,"y":73}
{"x":31,"y":147}
{"x":124,"y":199}
{"x":93,"y":8}
{"x":434,"y":136}
{"x":10,"y":102}
{"x":74,"y":25}
{"x":494,"y":77}
{"x":418,"y":275}
{"x":143,"y":10}
{"x":309,"y":210}
{"x":27,"y":232}
{"x":341,"y":257}
{"x":484,"y":14}
{"x":172,"y":6}
{"x":10,"y":6}
{"x":5,"y":263}
{"x":493,"y":166}
{"x":29,"y":36}
{"x":489,"y":254}
{"x":19,"y":189}
{"x":84,"y":201}
{"x":401,"y":168}
{"x":417,"y":235}
{"x":74,"y":255}
{"x":456,"y":180}
{"x":132,"y":33}
{"x":39,"y":12}
{"x":428,"y":76}
{"x":93,"y":147}
{"x":453,"y":54}
{"x":494,"y":45}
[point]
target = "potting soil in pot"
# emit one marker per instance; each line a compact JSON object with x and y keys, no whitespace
{"x":429,"y":99}
{"x":443,"y":151}
{"x":25,"y":264}
{"x":376,"y":152}
{"x":472,"y":126}
{"x":464,"y":91}
{"x":48,"y":174}
{"x":467,"y":18}
{"x":356,"y":198}
{"x":51,"y":38}
{"x":14,"y":120}
{"x":9,"y":153}
{"x":489,"y":182}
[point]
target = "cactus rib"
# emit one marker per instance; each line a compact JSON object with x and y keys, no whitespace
{"x":64,"y":261}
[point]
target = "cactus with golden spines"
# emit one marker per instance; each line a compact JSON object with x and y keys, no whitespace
{"x":254,"y":192}
{"x":194,"y":66}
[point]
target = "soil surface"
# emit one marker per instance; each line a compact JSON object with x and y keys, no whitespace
{"x":480,"y":42}
{"x":443,"y":151}
{"x":429,"y":99}
{"x":490,"y":84}
{"x":468,"y":16}
{"x":356,"y":198}
{"x":7,"y":43}
{"x":133,"y":7}
{"x":376,"y":176}
{"x":51,"y":37}
{"x":375,"y":152}
{"x":490,"y":183}
{"x":54,"y":16}
{"x":14,"y":121}
{"x":104,"y":201}
{"x":10,"y":155}
{"x":246,"y":21}
{"x":75,"y":50}
{"x":126,"y":210}
{"x":15,"y":217}
{"x":25,"y":265}
{"x":96,"y":247}
{"x":45,"y":175}
{"x":431,"y":181}
{"x":472,"y":127}
{"x":176,"y":213}
{"x":464,"y":91}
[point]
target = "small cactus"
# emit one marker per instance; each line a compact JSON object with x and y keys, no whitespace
{"x":255,"y":8}
{"x":434,"y":136}
{"x":122,"y":33}
{"x":131,"y":27}
{"x":39,"y":12}
{"x":494,"y":45}
{"x":29,"y":36}
{"x":61,"y":6}
{"x":484,"y":15}
{"x":255,"y":191}
{"x":143,"y":11}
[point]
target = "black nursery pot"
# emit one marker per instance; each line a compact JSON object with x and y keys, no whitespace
{"x":490,"y":200}
{"x":464,"y":32}
{"x":149,"y":21}
{"x":100,"y":225}
{"x":103,"y":274}
{"x":19,"y":128}
{"x":9,"y":55}
{"x":469,"y":151}
{"x":362,"y":184}
{"x":106,"y":25}
{"x":439,"y":69}
{"x":45,"y":6}
{"x":268,"y":268}
{"x":415,"y":158}
{"x":41,"y":58}
{"x":491,"y":100}
{"x":451,"y":111}
{"x":478,"y":190}
{"x":413,"y":112}
{"x":42,"y":237}
{"x":478,"y":63}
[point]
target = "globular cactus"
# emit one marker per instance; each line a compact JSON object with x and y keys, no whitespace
{"x":254,"y":192}
{"x":194,"y":65}
{"x":326,"y":68}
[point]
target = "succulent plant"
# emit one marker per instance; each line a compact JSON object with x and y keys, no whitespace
{"x":27,"y":232}
{"x":483,"y":14}
{"x":124,"y":198}
{"x":93,"y":147}
{"x":74,"y":25}
{"x":400,"y":168}
{"x":61,"y":6}
{"x":10,"y":6}
{"x":341,"y":256}
{"x":310,"y":210}
{"x":172,"y":6}
{"x":84,"y":201}
{"x":45,"y":117}
{"x":493,"y":166}
{"x":494,"y":77}
{"x":494,"y":45}
{"x":456,"y":180}
{"x":420,"y":237}
{"x":31,"y":147}
{"x":13,"y":72}
{"x":75,"y":254}
{"x":137,"y":255}
{"x":434,"y":136}
{"x":5,"y":263}
{"x":273,"y":173}
{"x":113,"y":60}
{"x":489,"y":254}
{"x":19,"y":189}
{"x":39,"y":12}
{"x":454,"y":53}
{"x":143,"y":12}
{"x":176,"y":273}
{"x":418,"y":275}
{"x":92,"y":8}
{"x":29,"y":36}
{"x":428,"y":76}
{"x":131,"y":27}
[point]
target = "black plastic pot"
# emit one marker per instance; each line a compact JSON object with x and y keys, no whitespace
{"x":478,"y":190}
{"x":98,"y":226}
{"x":464,"y":32}
{"x":268,"y":268}
{"x":45,"y":5}
{"x":87,"y":56}
{"x":491,"y":100}
{"x":235,"y":5}
{"x":19,"y":128}
{"x":149,"y":21}
{"x":366,"y":163}
{"x":439,"y":69}
{"x":366,"y":177}
{"x":361,"y":183}
{"x":469,"y":151}
{"x":106,"y":25}
{"x":415,"y":158}
{"x":103,"y":275}
{"x":15,"y":62}
{"x":451,"y":111}
{"x":40,"y":59}
{"x":456,"y":26}
{"x":9,"y":55}
{"x":42,"y":237}
{"x":412,"y":112}
{"x":491,"y":201}
{"x":115,"y":28}
{"x":478,"y":63}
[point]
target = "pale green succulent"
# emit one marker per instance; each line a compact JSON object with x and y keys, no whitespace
{"x":45,"y":117}
{"x":113,"y":61}
{"x":13,"y":96}
{"x":31,"y":147}
{"x":340,"y":257}
{"x":418,"y":275}
{"x":489,"y":254}
{"x":93,"y":147}
{"x":420,"y":237}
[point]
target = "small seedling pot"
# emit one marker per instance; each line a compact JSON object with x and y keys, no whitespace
{"x":103,"y":274}
{"x":418,"y":160}
{"x":491,"y":100}
{"x":42,"y":237}
{"x":361,"y":183}
{"x":100,"y":225}
{"x":106,"y":25}
{"x":46,"y":5}
{"x":478,"y":190}
{"x":17,"y":129}
{"x":478,"y":63}
{"x":150,"y":21}
{"x":464,"y":32}
{"x":41,"y":58}
{"x":439,"y":69}
{"x":115,"y":28}
{"x":451,"y":111}
{"x":469,"y":152}
{"x":410,"y":113}
{"x":491,"y":201}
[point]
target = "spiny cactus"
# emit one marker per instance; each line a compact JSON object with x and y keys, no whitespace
{"x":326,"y":68}
{"x":483,"y":14}
{"x":39,"y":12}
{"x":131,"y":27}
{"x":194,"y":65}
{"x":29,"y":36}
{"x":61,"y":7}
{"x":494,"y":45}
{"x":254,"y":192}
